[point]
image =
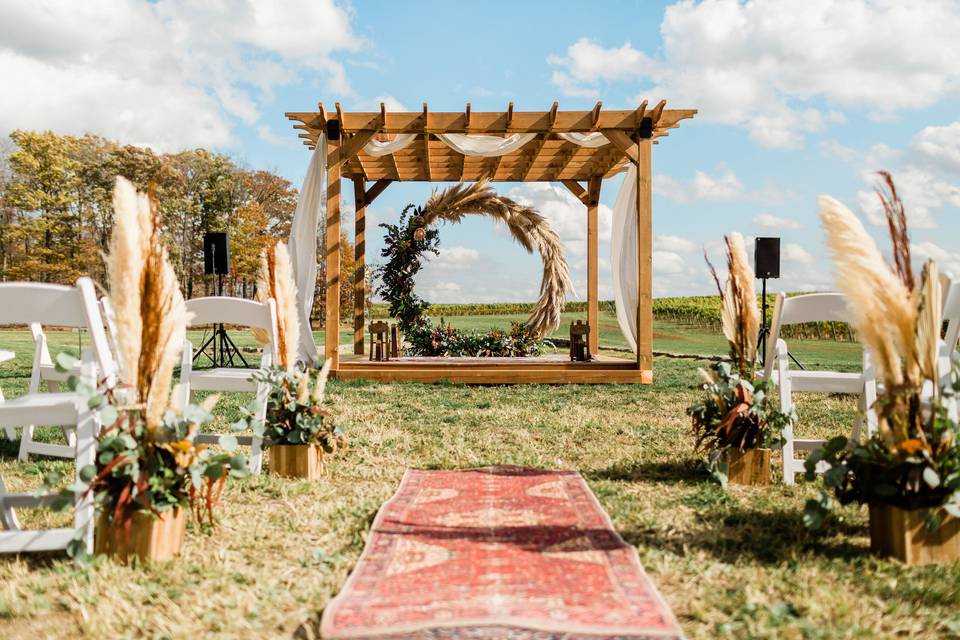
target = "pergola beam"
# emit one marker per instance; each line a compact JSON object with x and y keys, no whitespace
{"x":496,"y":122}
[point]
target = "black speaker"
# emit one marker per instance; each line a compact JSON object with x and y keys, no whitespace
{"x":766,"y":258}
{"x":646,"y":129}
{"x":216,"y":253}
{"x":333,"y":129}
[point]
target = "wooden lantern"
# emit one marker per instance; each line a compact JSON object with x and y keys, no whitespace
{"x":154,"y":538}
{"x":749,"y":468}
{"x":900,"y":533}
{"x":297,"y":460}
{"x":579,"y":347}
{"x":379,"y":347}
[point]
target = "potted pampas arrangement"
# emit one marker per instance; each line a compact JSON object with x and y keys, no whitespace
{"x":734,"y":422}
{"x":148,"y":470}
{"x":908,"y":473}
{"x":298,"y":430}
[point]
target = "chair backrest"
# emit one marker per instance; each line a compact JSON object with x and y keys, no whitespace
{"x":951,"y":309}
{"x":809,"y":307}
{"x":238,"y":311}
{"x":53,"y":305}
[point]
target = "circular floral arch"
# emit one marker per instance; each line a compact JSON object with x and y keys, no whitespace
{"x":530,"y":229}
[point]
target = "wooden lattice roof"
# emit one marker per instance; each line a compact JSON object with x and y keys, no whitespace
{"x":545,"y":158}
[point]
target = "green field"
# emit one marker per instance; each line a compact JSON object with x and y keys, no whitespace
{"x":732,"y":564}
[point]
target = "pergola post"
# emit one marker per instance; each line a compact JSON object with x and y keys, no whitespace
{"x":645,"y":258}
{"x":360,"y":262}
{"x":332,"y":307}
{"x":593,"y":279}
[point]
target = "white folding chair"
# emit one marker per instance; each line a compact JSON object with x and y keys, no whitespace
{"x":240,"y":312}
{"x":26,"y":303}
{"x":951,"y":315}
{"x":44,"y":369}
{"x":58,"y":306}
{"x":814,"y":307}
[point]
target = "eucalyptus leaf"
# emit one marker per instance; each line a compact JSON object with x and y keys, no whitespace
{"x":66,"y":362}
{"x":931,"y":477}
{"x":228,"y":442}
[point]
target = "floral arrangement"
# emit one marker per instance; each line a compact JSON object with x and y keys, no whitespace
{"x":426,"y":339}
{"x":146,"y":457}
{"x":735,"y":411}
{"x":913,"y":461}
{"x":295,"y":411}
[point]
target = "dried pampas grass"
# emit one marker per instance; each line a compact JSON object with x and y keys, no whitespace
{"x":275,"y":280}
{"x":878,"y":298}
{"x":528,"y":228}
{"x":151,"y":315}
{"x":739,"y":316}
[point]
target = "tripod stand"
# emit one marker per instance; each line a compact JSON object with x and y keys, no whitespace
{"x":219,"y":347}
{"x":764,"y":330}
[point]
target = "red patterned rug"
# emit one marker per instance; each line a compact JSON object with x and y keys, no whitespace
{"x":501,"y":552}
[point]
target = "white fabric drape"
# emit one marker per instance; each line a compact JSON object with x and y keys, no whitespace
{"x":623,"y":257}
{"x":485,"y":146}
{"x":591,"y":140}
{"x":311,"y":211}
{"x":402,"y":141}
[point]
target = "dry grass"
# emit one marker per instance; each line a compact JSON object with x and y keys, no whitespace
{"x":731,"y":564}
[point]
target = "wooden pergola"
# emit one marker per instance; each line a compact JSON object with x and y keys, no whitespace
{"x":546,"y":158}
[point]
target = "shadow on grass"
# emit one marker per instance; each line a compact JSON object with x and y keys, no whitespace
{"x":690,"y":472}
{"x":768,"y":537}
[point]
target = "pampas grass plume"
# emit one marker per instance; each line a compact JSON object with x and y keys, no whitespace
{"x":879,"y":302}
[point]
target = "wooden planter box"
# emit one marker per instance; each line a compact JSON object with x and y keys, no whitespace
{"x":750,"y":467}
{"x":899,"y":533}
{"x":297,"y":460}
{"x":150,"y":538}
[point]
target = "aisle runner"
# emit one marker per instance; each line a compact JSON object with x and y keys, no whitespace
{"x":502,"y":552}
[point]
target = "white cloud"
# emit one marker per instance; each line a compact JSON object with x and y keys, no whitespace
{"x":669,"y":263}
{"x":947,"y":261}
{"x":922,"y":193}
{"x":170,"y":74}
{"x":940,"y":146}
{"x":566,"y":214}
{"x":833,"y":149}
{"x":724,"y":186}
{"x":587,"y":62}
{"x":676,"y":244}
{"x":792,"y":252}
{"x":772,"y":67}
{"x":452,"y":259}
{"x":770,"y":221}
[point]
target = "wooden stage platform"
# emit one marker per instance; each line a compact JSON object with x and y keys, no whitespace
{"x":549,"y":369}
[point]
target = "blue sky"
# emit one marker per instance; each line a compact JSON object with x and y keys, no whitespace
{"x":796,"y":99}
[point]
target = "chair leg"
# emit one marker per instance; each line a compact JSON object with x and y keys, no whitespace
{"x":84,"y":510}
{"x":8,"y":517}
{"x":786,"y":404}
{"x":256,"y":445}
{"x":26,"y":439}
{"x":870,"y":408}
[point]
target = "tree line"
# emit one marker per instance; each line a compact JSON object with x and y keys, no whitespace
{"x":56,"y":212}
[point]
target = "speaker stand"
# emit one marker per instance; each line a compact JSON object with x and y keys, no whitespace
{"x":219,"y":348}
{"x":764,"y":330}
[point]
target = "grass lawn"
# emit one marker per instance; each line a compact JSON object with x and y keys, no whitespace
{"x":732,"y":564}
